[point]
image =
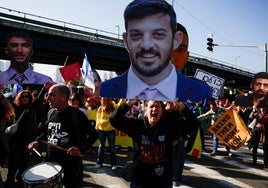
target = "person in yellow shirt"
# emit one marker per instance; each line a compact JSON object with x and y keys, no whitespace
{"x":106,"y":131}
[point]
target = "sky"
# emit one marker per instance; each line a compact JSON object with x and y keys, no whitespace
{"x":233,"y":24}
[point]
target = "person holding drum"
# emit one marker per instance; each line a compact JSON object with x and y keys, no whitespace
{"x":67,"y":129}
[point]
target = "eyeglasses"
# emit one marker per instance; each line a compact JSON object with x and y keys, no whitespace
{"x":25,"y":96}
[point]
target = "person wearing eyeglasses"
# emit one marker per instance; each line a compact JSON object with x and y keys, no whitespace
{"x":77,"y":100}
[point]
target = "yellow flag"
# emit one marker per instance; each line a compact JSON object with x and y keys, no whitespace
{"x":196,"y":150}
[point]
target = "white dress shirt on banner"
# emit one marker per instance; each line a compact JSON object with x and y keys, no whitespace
{"x":163,"y":91}
{"x":28,"y":77}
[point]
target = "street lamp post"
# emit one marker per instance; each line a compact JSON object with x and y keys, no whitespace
{"x":262,"y":47}
{"x":235,"y":58}
{"x":265,"y":56}
{"x":118,"y":30}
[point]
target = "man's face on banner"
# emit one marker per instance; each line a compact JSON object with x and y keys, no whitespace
{"x":19,"y":50}
{"x":149,"y":42}
{"x":260,"y":87}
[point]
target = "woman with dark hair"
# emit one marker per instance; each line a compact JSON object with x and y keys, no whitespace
{"x":6,"y":118}
{"x":25,"y":113}
{"x":21,"y":96}
{"x":156,"y":134}
{"x":7,"y":110}
{"x":78,"y":101}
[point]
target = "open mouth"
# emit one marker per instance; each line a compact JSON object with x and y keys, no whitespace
{"x":154,"y":115}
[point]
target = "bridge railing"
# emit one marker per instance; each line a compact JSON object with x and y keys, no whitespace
{"x":203,"y":60}
{"x":95,"y":35}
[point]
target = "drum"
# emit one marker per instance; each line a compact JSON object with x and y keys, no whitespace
{"x":43,"y":175}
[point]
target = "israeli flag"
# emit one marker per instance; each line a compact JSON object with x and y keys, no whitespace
{"x":87,"y":74}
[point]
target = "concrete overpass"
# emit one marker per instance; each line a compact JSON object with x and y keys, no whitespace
{"x":54,"y":42}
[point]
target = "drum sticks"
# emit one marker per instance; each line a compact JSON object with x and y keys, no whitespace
{"x":37,"y":152}
{"x":55,"y":146}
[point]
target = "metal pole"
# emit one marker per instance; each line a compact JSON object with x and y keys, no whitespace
{"x":118,"y":30}
{"x":235,"y":58}
{"x":263,"y":47}
{"x":265,"y":57}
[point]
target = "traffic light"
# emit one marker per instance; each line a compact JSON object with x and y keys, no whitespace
{"x":210,"y":44}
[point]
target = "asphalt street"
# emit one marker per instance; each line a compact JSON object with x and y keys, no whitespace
{"x":220,"y":171}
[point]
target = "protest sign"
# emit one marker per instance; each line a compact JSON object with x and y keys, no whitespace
{"x":215,"y":82}
{"x":230,"y":129}
{"x":71,"y":72}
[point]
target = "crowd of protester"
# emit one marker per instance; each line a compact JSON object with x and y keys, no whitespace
{"x":34,"y":123}
{"x":28,"y":108}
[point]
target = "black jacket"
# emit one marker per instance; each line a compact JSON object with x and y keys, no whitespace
{"x":155,"y":145}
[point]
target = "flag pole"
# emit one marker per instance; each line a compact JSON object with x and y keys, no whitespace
{"x":66,"y":60}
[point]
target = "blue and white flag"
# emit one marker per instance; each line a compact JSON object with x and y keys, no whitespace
{"x":87,"y":74}
{"x":16,"y":89}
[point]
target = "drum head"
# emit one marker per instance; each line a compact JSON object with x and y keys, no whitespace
{"x":41,"y":172}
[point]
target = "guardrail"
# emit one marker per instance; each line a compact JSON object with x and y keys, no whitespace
{"x":203,"y":60}
{"x":94,"y":35}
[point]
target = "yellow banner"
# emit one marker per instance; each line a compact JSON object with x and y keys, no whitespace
{"x":230,"y":129}
{"x":121,"y":138}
